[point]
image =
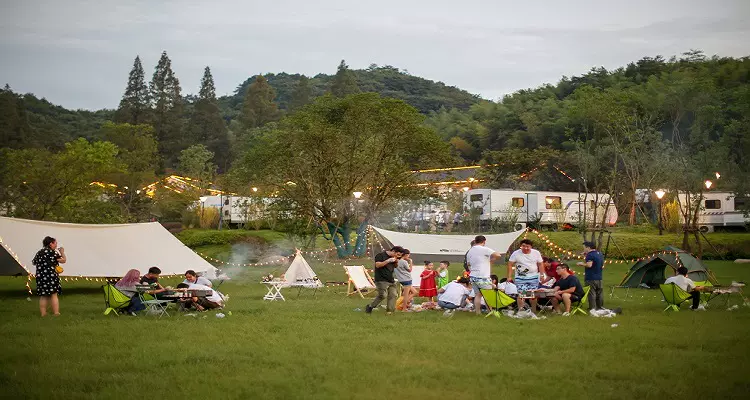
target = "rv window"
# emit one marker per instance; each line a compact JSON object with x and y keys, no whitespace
{"x":553,"y":202}
{"x":226,"y":202}
{"x":226,"y":213}
{"x":476,"y":197}
{"x":517,"y":202}
{"x":741,"y":203}
{"x":713,"y":204}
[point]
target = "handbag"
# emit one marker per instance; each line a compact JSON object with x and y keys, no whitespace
{"x":59,"y":269}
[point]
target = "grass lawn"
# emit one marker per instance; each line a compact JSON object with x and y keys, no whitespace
{"x":323,"y":347}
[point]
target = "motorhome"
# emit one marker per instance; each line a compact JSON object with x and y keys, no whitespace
{"x":549,"y":207}
{"x":721,"y":209}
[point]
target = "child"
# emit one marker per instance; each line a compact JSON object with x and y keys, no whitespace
{"x":443,"y":274}
{"x":428,"y":288}
{"x":403,"y":275}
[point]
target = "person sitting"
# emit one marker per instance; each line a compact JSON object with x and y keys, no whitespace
{"x":686,"y":284}
{"x":550,"y":275}
{"x":127,"y":285}
{"x":152,"y":279}
{"x":454,"y":295}
{"x":214,"y":300}
{"x":507,"y":287}
{"x":568,"y":289}
{"x":192,"y":277}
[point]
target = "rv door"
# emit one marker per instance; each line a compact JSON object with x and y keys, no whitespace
{"x":532,"y":206}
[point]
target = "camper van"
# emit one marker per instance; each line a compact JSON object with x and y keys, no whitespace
{"x":719,"y":209}
{"x":553,"y":207}
{"x":238,"y":209}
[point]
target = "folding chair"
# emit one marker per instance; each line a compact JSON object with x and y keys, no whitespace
{"x":578,"y":306}
{"x":674,"y":296}
{"x":114,"y":299}
{"x":360,"y":280}
{"x":495,"y":300}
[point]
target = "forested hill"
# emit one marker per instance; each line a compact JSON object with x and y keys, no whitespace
{"x":423,"y":94}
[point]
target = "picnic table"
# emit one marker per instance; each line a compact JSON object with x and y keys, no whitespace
{"x":716,"y":292}
{"x":274,"y":290}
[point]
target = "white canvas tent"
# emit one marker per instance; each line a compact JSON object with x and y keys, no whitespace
{"x":443,"y":247}
{"x":300,"y":273}
{"x":98,"y":250}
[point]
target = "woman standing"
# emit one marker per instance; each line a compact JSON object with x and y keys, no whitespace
{"x":47,"y":280}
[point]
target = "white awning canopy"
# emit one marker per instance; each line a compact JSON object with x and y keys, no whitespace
{"x":98,"y":250}
{"x":444,"y":247}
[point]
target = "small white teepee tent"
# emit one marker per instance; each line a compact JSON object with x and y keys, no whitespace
{"x":300,"y":274}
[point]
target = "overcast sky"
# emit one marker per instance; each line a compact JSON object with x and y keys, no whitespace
{"x":78,"y":53}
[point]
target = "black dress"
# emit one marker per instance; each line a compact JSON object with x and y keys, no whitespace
{"x":47,"y":280}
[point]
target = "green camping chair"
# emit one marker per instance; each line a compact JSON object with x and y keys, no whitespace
{"x":495,"y":300}
{"x":578,"y":306}
{"x":674,"y":296}
{"x":705,"y":296}
{"x":114,"y":299}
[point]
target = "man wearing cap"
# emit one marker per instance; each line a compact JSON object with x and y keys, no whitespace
{"x":568,"y":289}
{"x":594,"y":264}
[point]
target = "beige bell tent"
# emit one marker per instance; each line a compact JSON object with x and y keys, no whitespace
{"x":300,"y":273}
{"x":98,"y":250}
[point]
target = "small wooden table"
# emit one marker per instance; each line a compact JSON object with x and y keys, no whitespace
{"x":274,"y":290}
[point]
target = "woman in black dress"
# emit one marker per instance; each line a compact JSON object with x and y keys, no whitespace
{"x":47,"y":280}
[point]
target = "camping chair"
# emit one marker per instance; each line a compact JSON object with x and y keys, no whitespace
{"x":359,"y":279}
{"x":495,"y":300}
{"x":577,"y":306}
{"x":114,"y":299}
{"x":705,"y":296}
{"x":674,"y":296}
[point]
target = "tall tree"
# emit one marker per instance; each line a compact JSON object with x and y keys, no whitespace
{"x":344,"y":83}
{"x":259,"y":107}
{"x":136,"y":102}
{"x":206,"y":124}
{"x":167,"y":113}
{"x":15,"y":131}
{"x":301,"y":95}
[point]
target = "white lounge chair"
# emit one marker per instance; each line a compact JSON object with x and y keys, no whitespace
{"x":360,"y":280}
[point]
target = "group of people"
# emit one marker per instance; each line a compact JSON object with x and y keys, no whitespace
{"x":128,"y":285}
{"x":48,"y":269}
{"x":527,"y":272}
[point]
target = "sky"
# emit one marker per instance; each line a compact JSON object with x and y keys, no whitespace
{"x":78,"y":53}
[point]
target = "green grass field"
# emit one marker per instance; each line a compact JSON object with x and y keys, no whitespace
{"x":321,"y":347}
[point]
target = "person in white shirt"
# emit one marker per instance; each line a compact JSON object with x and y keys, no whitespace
{"x":192,"y":277}
{"x":527,"y":262}
{"x":479,"y":260}
{"x":686,"y":284}
{"x":453,"y":295}
{"x":214,"y":300}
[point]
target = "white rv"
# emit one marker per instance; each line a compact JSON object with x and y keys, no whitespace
{"x":552,"y":207}
{"x":238,"y":209}
{"x":721,"y":209}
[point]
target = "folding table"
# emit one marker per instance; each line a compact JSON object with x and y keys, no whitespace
{"x":153,"y":306}
{"x":274,"y":290}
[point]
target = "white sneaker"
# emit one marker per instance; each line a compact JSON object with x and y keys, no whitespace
{"x":448,"y":313}
{"x":566,"y":314}
{"x":701,"y":307}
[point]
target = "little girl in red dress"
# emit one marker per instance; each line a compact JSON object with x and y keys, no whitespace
{"x":428,"y":287}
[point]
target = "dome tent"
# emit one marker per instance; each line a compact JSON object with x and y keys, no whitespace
{"x":651,"y":271}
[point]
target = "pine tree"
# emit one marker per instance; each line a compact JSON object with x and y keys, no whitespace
{"x":206,"y":124}
{"x":259,"y":107}
{"x":136,"y":103}
{"x":301,"y":95}
{"x":344,"y":83}
{"x":167,"y":112}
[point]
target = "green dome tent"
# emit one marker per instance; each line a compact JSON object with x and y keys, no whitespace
{"x":651,"y":271}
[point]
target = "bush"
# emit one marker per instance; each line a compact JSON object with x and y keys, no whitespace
{"x":204,"y":237}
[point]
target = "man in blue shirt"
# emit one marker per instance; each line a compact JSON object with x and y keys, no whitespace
{"x":593,"y":277}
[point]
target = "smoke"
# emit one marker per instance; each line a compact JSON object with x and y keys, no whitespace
{"x":250,"y":252}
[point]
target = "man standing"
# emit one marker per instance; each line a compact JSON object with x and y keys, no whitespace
{"x":568,"y":289}
{"x":479,"y":259}
{"x":528,"y":263}
{"x":385,"y":263}
{"x":593,"y":277}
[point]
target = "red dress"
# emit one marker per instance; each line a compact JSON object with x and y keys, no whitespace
{"x":428,"y":287}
